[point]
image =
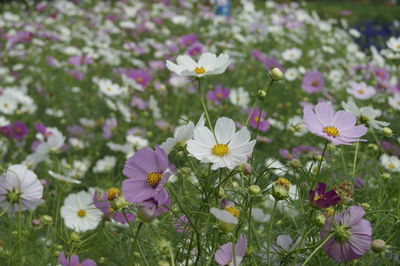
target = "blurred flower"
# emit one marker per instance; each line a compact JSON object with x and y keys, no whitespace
{"x":360,"y":90}
{"x":79,"y":212}
{"x":225,"y":149}
{"x":284,"y":245}
{"x":351,"y":235}
{"x":147,"y":173}
{"x":108,"y":88}
{"x":105,"y":164}
{"x":219,"y":93}
{"x":366,"y":114}
{"x":63,"y":178}
{"x":181,"y":224}
{"x":322,"y":199}
{"x":224,"y":255}
{"x":254,"y":121}
{"x":15,"y":130}
{"x":108,"y":126}
{"x":73,"y":260}
{"x":391,"y":163}
{"x":239,"y":97}
{"x":339,"y":128}
{"x":208,"y":64}
{"x":108,"y":204}
{"x":312,"y":82}
{"x":18,"y":184}
{"x":181,"y":135}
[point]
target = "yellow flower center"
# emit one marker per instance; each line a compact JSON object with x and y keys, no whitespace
{"x":113,"y":193}
{"x":391,"y":166}
{"x":219,"y":95}
{"x":233,"y":210}
{"x":314,"y":83}
{"x":283,"y":182}
{"x":317,"y":197}
{"x":5,"y":105}
{"x":329,"y":211}
{"x":331,"y":131}
{"x":109,"y":89}
{"x":153,"y":178}
{"x":220,"y":150}
{"x":199,"y":70}
{"x":256,"y":119}
{"x":139,"y":80}
{"x":398,"y":46}
{"x":360,"y":91}
{"x":81,"y":213}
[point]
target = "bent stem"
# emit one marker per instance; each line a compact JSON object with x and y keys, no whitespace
{"x":269,"y":233}
{"x":315,"y":250}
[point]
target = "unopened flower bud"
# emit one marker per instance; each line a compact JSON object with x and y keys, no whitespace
{"x":254,"y":190}
{"x":373,"y":146}
{"x":295,"y":163}
{"x":36,"y":222}
{"x":276,"y":74}
{"x":261,"y":94}
{"x":366,"y":206}
{"x":120,"y":202}
{"x":75,"y":236}
{"x":221,"y":192}
{"x":387,"y":132}
{"x":46,"y":219}
{"x":163,"y":263}
{"x":320,"y":219}
{"x":164,"y":246}
{"x":247,"y":169}
{"x":280,"y":188}
{"x":235,"y":184}
{"x":378,"y":245}
{"x":386,"y":176}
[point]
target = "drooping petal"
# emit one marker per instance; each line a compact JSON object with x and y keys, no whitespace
{"x":224,"y":130}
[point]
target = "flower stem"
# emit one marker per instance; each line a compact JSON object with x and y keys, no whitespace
{"x":269,"y":233}
{"x":319,"y":166}
{"x":204,"y":106}
{"x":355,"y":160}
{"x":234,"y":252}
{"x":315,"y":250}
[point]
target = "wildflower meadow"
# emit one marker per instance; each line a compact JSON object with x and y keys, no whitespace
{"x":187,"y":132}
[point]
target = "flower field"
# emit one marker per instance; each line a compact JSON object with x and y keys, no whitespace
{"x":166,"y":133}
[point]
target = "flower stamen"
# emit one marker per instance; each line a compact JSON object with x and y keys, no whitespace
{"x":154,"y":178}
{"x":200,"y":70}
{"x":220,"y":150}
{"x":331,"y":131}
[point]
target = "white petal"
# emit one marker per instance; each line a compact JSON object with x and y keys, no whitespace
{"x":224,"y":130}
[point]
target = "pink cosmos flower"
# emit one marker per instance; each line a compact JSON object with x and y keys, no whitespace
{"x":351,"y":235}
{"x":263,"y":125}
{"x":73,"y":260}
{"x":312,"y":82}
{"x":147,"y":173}
{"x":361,"y":90}
{"x":339,"y":128}
{"x":320,"y":198}
{"x":105,"y":206}
{"x":224,"y":255}
{"x":218,"y":94}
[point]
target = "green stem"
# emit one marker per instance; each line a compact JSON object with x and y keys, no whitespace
{"x":234,"y":252}
{"x":355,"y":160}
{"x":172,"y":256}
{"x":270,"y":232}
{"x":315,"y":250}
{"x":319,"y":165}
{"x":204,"y":106}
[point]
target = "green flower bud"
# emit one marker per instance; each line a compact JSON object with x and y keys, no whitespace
{"x":295,"y":163}
{"x":386,"y":176}
{"x":247,"y":169}
{"x":276,"y":74}
{"x":280,"y":188}
{"x":320,"y":219}
{"x":366,"y":206}
{"x":387,"y":132}
{"x":261,"y":94}
{"x":378,"y":246}
{"x":254,"y":190}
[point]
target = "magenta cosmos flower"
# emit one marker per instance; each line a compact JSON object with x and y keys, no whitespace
{"x":105,"y":205}
{"x":224,"y":255}
{"x":147,"y":174}
{"x":263,"y":125}
{"x":73,"y":260}
{"x":312,"y":82}
{"x":321,"y":199}
{"x":351,"y":235}
{"x":339,"y":128}
{"x":219,"y":93}
{"x":15,"y":130}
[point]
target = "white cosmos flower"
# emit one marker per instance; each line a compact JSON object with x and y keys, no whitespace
{"x":297,"y":125}
{"x":291,"y":55}
{"x":365,"y":114}
{"x":239,"y":97}
{"x":8,"y":105}
{"x":54,"y":142}
{"x":224,"y":216}
{"x":105,"y":165}
{"x":63,"y":178}
{"x":18,"y":182}
{"x":394,"y":101}
{"x":291,"y":74}
{"x":391,"y":163}
{"x":208,"y":64}
{"x":226,"y":149}
{"x":181,"y":135}
{"x":109,"y":89}
{"x":79,"y":212}
{"x":394,"y":44}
